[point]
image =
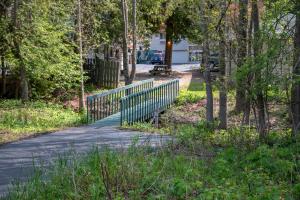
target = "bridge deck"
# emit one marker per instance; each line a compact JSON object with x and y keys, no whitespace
{"x":134,"y":113}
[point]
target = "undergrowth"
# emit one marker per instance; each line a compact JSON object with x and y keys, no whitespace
{"x":226,"y":169}
{"x":19,"y":120}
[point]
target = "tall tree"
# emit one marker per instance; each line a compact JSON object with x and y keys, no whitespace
{"x":15,"y":27}
{"x":295,"y":93}
{"x":79,"y":21}
{"x":260,"y":102}
{"x":222,"y":64}
{"x":134,"y":40}
{"x":242,"y":53}
{"x":4,"y":7}
{"x":129,"y":75}
{"x":169,"y":43}
{"x":205,"y":61}
{"x":125,"y":41}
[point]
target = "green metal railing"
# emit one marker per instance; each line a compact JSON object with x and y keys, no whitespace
{"x":143,"y":105}
{"x":108,"y":103}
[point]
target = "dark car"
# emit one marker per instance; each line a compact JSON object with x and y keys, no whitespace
{"x":214,"y":62}
{"x":157,"y":59}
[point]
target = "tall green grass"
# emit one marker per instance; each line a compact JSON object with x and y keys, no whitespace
{"x":177,"y":172}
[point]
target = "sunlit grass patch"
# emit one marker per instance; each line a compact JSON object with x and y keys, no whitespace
{"x":146,"y":127}
{"x":19,"y":120}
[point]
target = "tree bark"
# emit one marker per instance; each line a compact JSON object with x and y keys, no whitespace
{"x":223,"y":80}
{"x":125,"y":42}
{"x":205,"y":63}
{"x":242,"y":53}
{"x":169,"y":45}
{"x":3,"y":69}
{"x":81,"y":91}
{"x":17,"y":53}
{"x":260,"y":103}
{"x":133,"y":68}
{"x":295,"y":93}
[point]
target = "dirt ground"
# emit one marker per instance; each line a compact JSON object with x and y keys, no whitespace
{"x":185,"y":78}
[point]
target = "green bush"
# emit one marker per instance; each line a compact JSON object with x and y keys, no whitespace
{"x":186,"y":96}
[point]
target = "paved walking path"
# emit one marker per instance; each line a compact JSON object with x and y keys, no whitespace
{"x":16,"y":159}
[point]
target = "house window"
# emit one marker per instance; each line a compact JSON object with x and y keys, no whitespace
{"x":162,"y":36}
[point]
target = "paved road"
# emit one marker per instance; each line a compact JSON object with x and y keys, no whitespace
{"x":141,"y":68}
{"x":16,"y":159}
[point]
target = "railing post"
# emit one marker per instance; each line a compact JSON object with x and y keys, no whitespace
{"x":121,"y":112}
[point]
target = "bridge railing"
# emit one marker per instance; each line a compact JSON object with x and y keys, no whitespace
{"x":143,"y":105}
{"x":102,"y":105}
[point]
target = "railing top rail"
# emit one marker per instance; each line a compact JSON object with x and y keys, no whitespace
{"x":148,"y":90}
{"x":120,"y":89}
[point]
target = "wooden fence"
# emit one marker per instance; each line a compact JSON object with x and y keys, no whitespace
{"x":103,"y":73}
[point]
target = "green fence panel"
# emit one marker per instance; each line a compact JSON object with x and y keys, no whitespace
{"x":142,"y":105}
{"x":102,"y":105}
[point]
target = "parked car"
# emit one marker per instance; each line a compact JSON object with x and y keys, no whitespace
{"x":214,"y":62}
{"x":157,"y":59}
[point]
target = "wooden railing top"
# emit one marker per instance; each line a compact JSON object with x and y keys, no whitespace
{"x":119,"y":89}
{"x":150,"y":89}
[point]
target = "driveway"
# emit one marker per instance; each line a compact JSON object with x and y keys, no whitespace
{"x":142,"y":68}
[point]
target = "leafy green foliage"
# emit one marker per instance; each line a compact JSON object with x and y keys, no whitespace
{"x":19,"y":120}
{"x":186,"y":96}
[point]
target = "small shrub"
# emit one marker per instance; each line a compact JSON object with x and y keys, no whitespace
{"x":186,"y":96}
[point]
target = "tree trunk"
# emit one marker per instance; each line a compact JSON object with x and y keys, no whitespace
{"x":242,"y":53}
{"x":133,"y":68}
{"x":247,"y":109}
{"x":125,"y":42}
{"x":295,"y":93}
{"x":207,"y":77}
{"x":81,"y":91}
{"x":205,"y":63}
{"x":256,"y":50}
{"x":169,"y":45}
{"x":17,"y":53}
{"x":223,"y":80}
{"x":3,"y":69}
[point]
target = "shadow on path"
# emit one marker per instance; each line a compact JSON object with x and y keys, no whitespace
{"x":17,"y":159}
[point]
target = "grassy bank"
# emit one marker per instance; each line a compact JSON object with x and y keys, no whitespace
{"x":19,"y":120}
{"x":202,"y":165}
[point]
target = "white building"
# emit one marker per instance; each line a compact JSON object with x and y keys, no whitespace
{"x":183,"y":51}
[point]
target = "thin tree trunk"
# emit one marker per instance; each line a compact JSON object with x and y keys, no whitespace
{"x":207,"y":77}
{"x":295,"y":93}
{"x":256,"y":50}
{"x":81,"y":91}
{"x":17,"y":53}
{"x":133,"y":68}
{"x":125,"y":42}
{"x":242,"y":53}
{"x":205,"y":62}
{"x":223,"y":80}
{"x":247,"y":109}
{"x":3,"y":69}
{"x":169,"y":45}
